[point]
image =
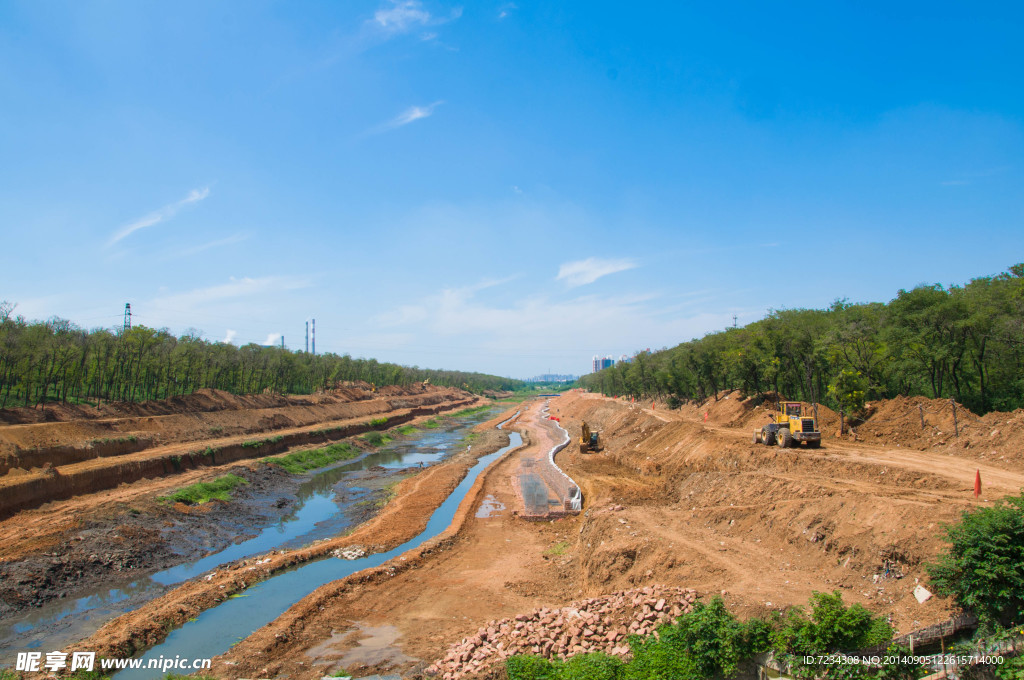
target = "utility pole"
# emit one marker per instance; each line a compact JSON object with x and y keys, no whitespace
{"x":314,"y":337}
{"x":734,"y":321}
{"x":307,"y":337}
{"x":127,"y":316}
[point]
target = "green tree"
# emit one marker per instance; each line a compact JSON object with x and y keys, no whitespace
{"x":983,"y":568}
{"x":849,"y":391}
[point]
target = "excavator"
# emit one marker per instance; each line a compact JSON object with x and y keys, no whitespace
{"x":790,"y":428}
{"x":590,"y":442}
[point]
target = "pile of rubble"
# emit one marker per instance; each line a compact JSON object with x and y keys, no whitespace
{"x":600,"y":624}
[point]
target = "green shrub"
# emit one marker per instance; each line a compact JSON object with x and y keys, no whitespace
{"x":592,"y":666}
{"x":528,"y":667}
{"x":984,"y":565}
{"x":202,"y":492}
{"x":405,"y":430}
{"x":378,"y":422}
{"x":257,"y":443}
{"x":830,"y":627}
{"x":376,"y":438}
{"x":707,"y":642}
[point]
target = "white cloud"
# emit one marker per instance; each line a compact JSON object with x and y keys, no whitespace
{"x":412,"y":114}
{"x":582,"y":272}
{"x":505,"y":9}
{"x":234,"y":288}
{"x":164,"y":213}
{"x":229,"y":240}
{"x":230,"y":337}
{"x":402,"y":16}
{"x":538,"y":331}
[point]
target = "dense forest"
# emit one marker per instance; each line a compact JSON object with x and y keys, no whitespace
{"x":55,"y":360}
{"x":962,"y":342}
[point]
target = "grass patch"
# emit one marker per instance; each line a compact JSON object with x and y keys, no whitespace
{"x":257,"y":443}
{"x":431,"y":424}
{"x":470,"y":411}
{"x":196,"y":494}
{"x":557,"y":549}
{"x":298,"y":462}
{"x":131,"y":439}
{"x":405,"y":430}
{"x":377,"y":422}
{"x":376,"y":438}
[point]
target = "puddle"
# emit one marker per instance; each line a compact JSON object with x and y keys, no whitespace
{"x":215,"y":630}
{"x":374,"y":645}
{"x":490,"y":507}
{"x":318,"y":514}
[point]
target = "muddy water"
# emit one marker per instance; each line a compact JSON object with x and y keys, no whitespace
{"x":317,"y":514}
{"x":217,"y":629}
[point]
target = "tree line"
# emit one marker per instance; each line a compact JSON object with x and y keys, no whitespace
{"x":962,"y":342}
{"x":55,"y":360}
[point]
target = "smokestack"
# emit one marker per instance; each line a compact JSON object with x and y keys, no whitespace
{"x":307,"y":337}
{"x":314,"y":337}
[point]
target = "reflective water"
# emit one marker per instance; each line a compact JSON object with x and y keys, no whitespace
{"x":217,"y":629}
{"x":317,"y":514}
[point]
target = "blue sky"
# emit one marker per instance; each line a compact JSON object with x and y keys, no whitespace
{"x":498,"y":186}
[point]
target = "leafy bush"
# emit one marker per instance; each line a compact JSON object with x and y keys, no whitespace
{"x":707,"y":642}
{"x":376,"y":438}
{"x":377,"y":422}
{"x":257,"y":443}
{"x":592,"y":666}
{"x":831,"y":627}
{"x":202,"y":492}
{"x":528,"y":667}
{"x":984,"y":565}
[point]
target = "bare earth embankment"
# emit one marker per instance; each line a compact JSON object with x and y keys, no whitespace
{"x":672,"y":502}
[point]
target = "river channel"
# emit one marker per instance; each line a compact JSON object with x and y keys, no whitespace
{"x":214,"y":631}
{"x":319,"y":513}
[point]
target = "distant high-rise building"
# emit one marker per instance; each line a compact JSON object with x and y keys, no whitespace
{"x":600,"y":363}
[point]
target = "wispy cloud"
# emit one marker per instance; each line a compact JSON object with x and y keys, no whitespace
{"x":410,"y":115}
{"x":403,"y":16}
{"x":158,"y":216}
{"x":505,"y":9}
{"x":236,"y":238}
{"x":582,"y":272}
{"x":230,"y":337}
{"x":272,"y":339}
{"x":234,"y":288}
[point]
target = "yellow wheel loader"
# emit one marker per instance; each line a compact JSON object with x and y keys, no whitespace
{"x":790,"y":428}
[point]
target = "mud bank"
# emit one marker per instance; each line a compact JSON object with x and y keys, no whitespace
{"x":31,"y":489}
{"x":185,"y":541}
{"x":402,"y":518}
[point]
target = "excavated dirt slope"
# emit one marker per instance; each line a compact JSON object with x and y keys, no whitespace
{"x":57,"y":460}
{"x":672,"y":501}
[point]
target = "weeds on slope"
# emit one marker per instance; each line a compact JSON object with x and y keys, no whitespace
{"x":202,"y":492}
{"x":298,"y":462}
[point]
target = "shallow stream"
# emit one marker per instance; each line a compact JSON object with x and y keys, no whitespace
{"x":318,"y":514}
{"x":214,"y":631}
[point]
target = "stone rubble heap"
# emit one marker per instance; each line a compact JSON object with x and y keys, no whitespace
{"x":600,"y":624}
